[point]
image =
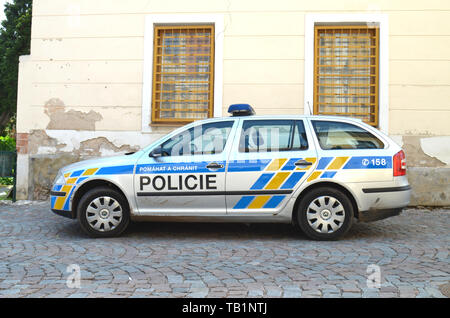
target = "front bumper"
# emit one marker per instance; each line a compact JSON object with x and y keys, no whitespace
{"x":67,"y":214}
{"x":58,"y":201}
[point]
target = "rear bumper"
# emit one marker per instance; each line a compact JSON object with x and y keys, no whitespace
{"x":381,"y":195}
{"x":67,"y":214}
{"x":384,"y":201}
{"x":376,"y":215}
{"x":387,"y":189}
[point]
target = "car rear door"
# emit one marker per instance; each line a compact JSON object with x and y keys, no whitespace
{"x":268,"y":160}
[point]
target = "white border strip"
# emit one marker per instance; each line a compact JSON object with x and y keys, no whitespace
{"x":382,"y":21}
{"x":150,"y":21}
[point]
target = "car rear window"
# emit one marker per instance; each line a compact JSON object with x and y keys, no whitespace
{"x":340,"y":135}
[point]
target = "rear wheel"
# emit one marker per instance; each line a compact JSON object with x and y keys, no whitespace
{"x":103,"y":212}
{"x":325,"y":214}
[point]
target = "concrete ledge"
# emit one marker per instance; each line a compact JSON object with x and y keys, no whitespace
{"x":430,"y":186}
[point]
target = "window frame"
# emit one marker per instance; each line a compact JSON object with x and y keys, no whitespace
{"x":151,"y":20}
{"x":380,"y":19}
{"x":374,"y":75}
{"x":154,"y":109}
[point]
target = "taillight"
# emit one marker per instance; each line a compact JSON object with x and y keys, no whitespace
{"x":399,"y":164}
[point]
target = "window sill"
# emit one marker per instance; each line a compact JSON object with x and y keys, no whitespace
{"x":164,"y":128}
{"x":166,"y":125}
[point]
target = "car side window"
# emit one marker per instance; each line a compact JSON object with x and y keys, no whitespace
{"x":203,"y":139}
{"x":272,"y":135}
{"x":340,"y":135}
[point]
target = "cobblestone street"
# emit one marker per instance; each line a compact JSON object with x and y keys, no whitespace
{"x":222,"y":260}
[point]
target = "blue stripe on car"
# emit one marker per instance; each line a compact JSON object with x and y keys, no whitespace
{"x":328,"y":174}
{"x":262,"y":181}
{"x":370,"y":162}
{"x":290,"y":165}
{"x":274,"y":202}
{"x":323,"y":163}
{"x":293,"y":179}
{"x":244,"y":202}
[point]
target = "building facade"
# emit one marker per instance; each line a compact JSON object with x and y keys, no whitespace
{"x":109,"y":76}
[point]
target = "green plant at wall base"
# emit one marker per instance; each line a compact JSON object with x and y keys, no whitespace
{"x":10,"y":127}
{"x":15,"y":35}
{"x":7,"y":144}
{"x":6,"y":181}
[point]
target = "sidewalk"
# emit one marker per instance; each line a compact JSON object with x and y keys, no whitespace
{"x":408,"y":253}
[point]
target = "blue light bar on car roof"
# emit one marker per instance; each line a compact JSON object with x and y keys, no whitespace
{"x":241,"y":110}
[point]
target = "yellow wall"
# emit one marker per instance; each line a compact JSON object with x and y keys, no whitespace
{"x":89,"y":54}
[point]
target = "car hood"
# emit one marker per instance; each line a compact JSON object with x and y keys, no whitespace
{"x":129,"y":159}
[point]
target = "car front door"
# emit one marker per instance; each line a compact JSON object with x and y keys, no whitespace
{"x":185,"y":174}
{"x":269,"y":159}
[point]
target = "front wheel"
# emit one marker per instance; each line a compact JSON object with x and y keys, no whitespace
{"x":103,"y":212}
{"x":325,"y":214}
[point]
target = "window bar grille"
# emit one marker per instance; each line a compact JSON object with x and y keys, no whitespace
{"x":346,"y":71}
{"x":183,"y":81}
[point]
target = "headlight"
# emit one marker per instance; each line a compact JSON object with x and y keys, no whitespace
{"x":59,"y":179}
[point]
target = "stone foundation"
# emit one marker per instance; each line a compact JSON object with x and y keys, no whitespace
{"x":430,"y":186}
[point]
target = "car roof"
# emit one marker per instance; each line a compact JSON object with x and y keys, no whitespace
{"x":286,"y":116}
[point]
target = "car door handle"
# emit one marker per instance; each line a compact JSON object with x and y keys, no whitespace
{"x":214,"y":165}
{"x":303,"y":163}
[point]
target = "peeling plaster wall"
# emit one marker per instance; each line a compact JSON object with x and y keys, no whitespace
{"x":49,"y":150}
{"x":69,"y":120}
{"x":416,"y":157}
{"x":99,"y":143}
{"x":42,"y":173}
{"x":437,"y":147}
{"x":425,"y":151}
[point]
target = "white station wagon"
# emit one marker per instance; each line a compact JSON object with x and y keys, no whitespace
{"x":318,"y":173}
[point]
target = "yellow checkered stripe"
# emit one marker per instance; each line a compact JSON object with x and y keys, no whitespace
{"x":328,"y":168}
{"x":62,"y":202}
{"x":280,"y":174}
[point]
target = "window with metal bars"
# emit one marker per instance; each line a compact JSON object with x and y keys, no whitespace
{"x":183,"y":73}
{"x":346,"y":68}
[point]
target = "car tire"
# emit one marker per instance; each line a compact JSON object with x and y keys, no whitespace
{"x":103,"y":212}
{"x":325,"y":214}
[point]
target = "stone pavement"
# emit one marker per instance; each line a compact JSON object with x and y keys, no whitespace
{"x":222,"y":260}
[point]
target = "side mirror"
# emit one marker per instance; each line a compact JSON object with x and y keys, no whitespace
{"x":156,"y":153}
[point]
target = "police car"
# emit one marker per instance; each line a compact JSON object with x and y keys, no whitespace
{"x":318,"y":173}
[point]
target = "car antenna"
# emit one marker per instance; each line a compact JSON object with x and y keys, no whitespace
{"x":309,"y":108}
